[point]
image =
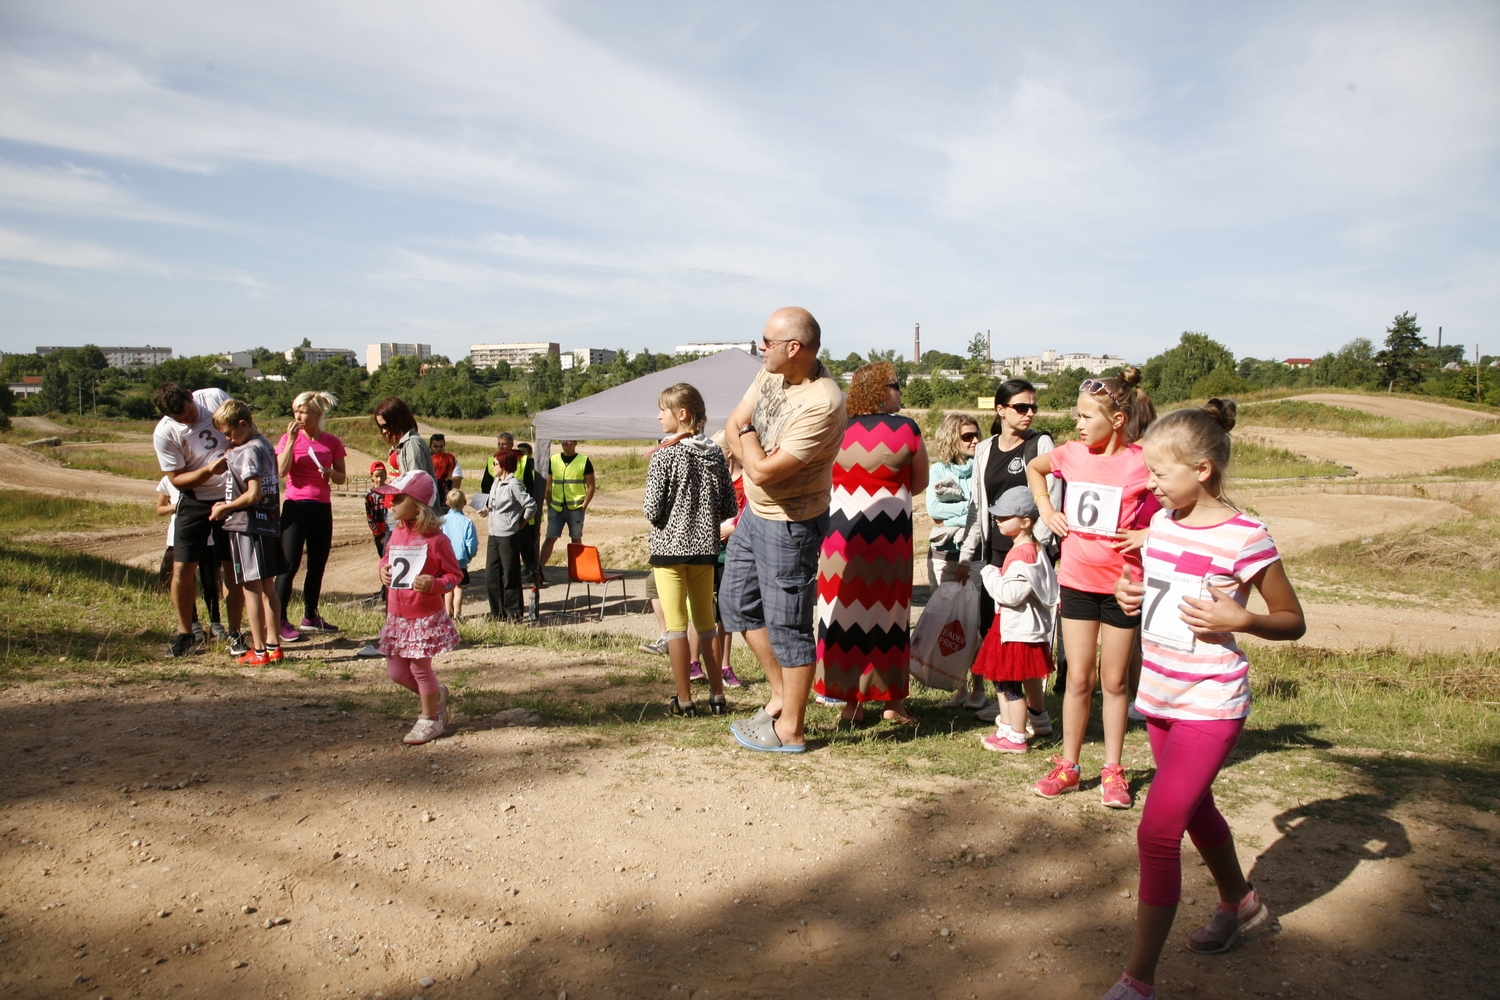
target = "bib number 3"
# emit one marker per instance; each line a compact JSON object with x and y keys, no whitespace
{"x":406,"y":564}
{"x":1093,"y":508}
{"x":1161,"y":619}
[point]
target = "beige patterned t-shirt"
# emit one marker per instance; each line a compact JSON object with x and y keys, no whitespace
{"x":806,"y":421}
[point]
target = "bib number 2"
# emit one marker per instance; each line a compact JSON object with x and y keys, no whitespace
{"x":1093,"y":508}
{"x":1161,"y":621}
{"x":406,"y":564}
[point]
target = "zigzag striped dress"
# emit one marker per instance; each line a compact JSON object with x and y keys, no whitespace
{"x":864,"y":567}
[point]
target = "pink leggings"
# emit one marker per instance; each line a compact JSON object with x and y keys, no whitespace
{"x":416,"y":675}
{"x":1188,"y":758}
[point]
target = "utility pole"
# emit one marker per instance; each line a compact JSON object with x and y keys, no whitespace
{"x":1478,"y":374}
{"x":916,"y":346}
{"x":989,"y":353}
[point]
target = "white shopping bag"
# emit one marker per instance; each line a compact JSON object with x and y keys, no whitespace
{"x":946,"y":639}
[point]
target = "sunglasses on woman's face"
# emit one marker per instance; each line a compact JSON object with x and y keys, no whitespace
{"x":969,"y":436}
{"x":1022,"y":408}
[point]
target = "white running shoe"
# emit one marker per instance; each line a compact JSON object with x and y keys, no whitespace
{"x":370,"y":652}
{"x":989,"y":713}
{"x":1038,"y":723}
{"x":425,"y":731}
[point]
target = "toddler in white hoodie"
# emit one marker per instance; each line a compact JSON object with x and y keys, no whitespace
{"x":1025,"y":591}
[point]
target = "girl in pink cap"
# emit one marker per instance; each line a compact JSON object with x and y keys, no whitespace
{"x":418,"y":568}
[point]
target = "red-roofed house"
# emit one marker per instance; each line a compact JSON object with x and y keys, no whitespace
{"x":1298,"y":362}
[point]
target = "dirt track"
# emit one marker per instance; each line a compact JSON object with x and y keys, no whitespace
{"x":1398,"y":409}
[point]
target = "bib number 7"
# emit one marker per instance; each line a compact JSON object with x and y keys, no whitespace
{"x":1093,"y":508}
{"x":1161,"y":621}
{"x":405,"y":564}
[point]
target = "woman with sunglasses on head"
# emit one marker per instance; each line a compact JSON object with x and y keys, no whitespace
{"x":1000,"y":465}
{"x":1102,"y":529}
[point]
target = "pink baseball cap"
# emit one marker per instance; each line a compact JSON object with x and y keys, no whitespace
{"x":416,"y":484}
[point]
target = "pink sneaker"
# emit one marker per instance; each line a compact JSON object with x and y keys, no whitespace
{"x":288,"y":632}
{"x":1114,"y":789}
{"x":731,"y":681}
{"x":1062,"y":778}
{"x":695,"y":671}
{"x":1219,"y":934}
{"x":1003,"y":744}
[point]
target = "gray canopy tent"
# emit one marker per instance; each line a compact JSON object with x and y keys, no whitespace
{"x":629,"y":411}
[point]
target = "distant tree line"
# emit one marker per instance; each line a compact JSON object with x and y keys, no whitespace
{"x":80,"y":381}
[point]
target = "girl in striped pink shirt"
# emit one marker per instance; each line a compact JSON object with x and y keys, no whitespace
{"x":1200,"y":560}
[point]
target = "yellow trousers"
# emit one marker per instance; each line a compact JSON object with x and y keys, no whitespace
{"x":683,"y":589}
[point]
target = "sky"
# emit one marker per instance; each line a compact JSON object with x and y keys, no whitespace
{"x":1283,"y":176}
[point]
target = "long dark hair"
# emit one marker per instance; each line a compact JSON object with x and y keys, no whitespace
{"x":397,"y":416}
{"x":1008,"y":390}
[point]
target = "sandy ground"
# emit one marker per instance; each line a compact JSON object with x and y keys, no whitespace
{"x":1383,"y":457}
{"x":152,"y":832}
{"x":1397,"y":409}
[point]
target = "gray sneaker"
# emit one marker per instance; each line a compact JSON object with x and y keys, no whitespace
{"x":218,"y":631}
{"x":658,"y":646}
{"x":1040,"y":723}
{"x":185,"y":644}
{"x":990,"y":712}
{"x":1219,"y":934}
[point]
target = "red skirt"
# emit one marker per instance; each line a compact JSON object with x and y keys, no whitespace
{"x":1011,"y":661}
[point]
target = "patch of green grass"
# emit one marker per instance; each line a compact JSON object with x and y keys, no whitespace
{"x":1484,"y":470}
{"x":1453,"y":561}
{"x":24,"y":513}
{"x":1253,"y":460}
{"x":104,"y":458}
{"x":1299,"y":414}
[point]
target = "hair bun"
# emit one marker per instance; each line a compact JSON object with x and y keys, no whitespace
{"x":1130,"y":375}
{"x":1223,"y":411}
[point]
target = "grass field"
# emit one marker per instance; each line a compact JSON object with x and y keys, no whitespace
{"x":1252,"y":460}
{"x":1455,"y":562}
{"x":1299,"y":414}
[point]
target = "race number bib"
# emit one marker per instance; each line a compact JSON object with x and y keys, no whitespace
{"x":405,"y":564}
{"x":1093,"y":508}
{"x":1161,"y":621}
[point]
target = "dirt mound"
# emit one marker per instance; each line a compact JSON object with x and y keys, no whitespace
{"x":22,"y":469}
{"x":1411,"y":410}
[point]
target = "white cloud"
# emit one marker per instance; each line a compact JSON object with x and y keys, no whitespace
{"x":27,"y":248}
{"x":78,"y":191}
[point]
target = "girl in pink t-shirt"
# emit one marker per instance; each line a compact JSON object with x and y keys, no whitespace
{"x":1202,"y":556}
{"x":417,"y":568}
{"x":1102,"y":529}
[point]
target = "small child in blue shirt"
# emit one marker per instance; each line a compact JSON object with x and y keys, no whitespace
{"x":465,"y":540}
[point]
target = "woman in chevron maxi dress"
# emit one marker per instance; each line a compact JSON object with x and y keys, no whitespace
{"x":864,"y":568}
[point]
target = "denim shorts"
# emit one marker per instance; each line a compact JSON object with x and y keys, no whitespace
{"x":771,"y":582}
{"x":572,"y":518}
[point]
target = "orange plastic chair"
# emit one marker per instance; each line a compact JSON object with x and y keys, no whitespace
{"x":584,"y":568}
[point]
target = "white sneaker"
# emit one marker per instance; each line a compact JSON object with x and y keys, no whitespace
{"x":657,"y":646}
{"x":370,"y":652}
{"x":1038,"y":723}
{"x":823,"y":699}
{"x":989,"y":713}
{"x":425,"y":731}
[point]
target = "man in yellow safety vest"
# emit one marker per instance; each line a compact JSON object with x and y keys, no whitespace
{"x":570,"y":490}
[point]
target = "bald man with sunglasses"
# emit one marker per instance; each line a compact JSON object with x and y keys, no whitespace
{"x":785,"y":433}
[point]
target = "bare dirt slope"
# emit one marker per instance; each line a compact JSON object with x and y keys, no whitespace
{"x":23,"y":469}
{"x":151,"y":833}
{"x":1383,"y":456}
{"x":1397,"y":409}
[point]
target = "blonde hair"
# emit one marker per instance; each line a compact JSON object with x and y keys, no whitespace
{"x":427,"y":521}
{"x":947,"y":442}
{"x":232,"y":413}
{"x":1199,"y":434}
{"x":1123,"y":395}
{"x":319,"y":402}
{"x":684,"y":397}
{"x":456,"y":499}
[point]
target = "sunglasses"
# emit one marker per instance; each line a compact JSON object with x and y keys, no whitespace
{"x":893,"y":385}
{"x":1023,"y":408}
{"x":1094,"y":387}
{"x":969,"y":436}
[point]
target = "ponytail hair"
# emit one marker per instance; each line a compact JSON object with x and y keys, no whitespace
{"x":1197,"y":434}
{"x":318,"y":402}
{"x":1123,"y":394}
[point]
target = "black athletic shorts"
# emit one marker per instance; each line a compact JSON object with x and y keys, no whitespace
{"x":1080,"y":605}
{"x":192,"y":529}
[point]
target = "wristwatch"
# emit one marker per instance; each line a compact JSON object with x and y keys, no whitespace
{"x":746,"y":429}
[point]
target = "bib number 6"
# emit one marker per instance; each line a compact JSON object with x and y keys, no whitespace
{"x":406,"y":564}
{"x":1093,"y":508}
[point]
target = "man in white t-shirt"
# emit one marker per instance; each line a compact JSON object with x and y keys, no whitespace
{"x":190,"y":450}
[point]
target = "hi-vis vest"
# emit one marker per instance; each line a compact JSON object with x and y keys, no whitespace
{"x":568,"y":485}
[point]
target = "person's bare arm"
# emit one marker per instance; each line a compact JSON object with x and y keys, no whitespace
{"x":285,"y":456}
{"x":188,"y":480}
{"x":1037,"y":471}
{"x":767,"y":470}
{"x":588,"y":496}
{"x":249,"y":498}
{"x":1219,"y":612}
{"x":739,"y":418}
{"x":338,"y":475}
{"x":919,"y":468}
